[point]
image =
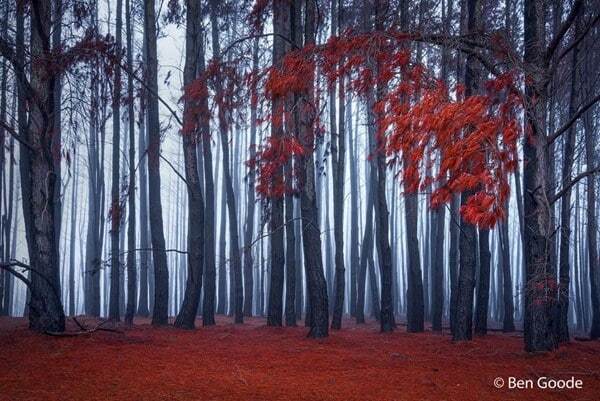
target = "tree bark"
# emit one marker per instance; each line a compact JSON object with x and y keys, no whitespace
{"x":195,"y":237}
{"x":39,"y":180}
{"x":565,"y":208}
{"x":311,"y":236}
{"x":236,"y":261}
{"x":131,"y":256}
{"x":159,"y":256}
{"x":539,"y":332}
{"x":115,"y":208}
{"x":462,"y":329}
{"x":251,"y":199}
{"x":281,"y":25}
{"x":483,"y":287}
{"x":338,"y":155}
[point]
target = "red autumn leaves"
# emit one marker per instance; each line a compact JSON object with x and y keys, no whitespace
{"x":469,"y":143}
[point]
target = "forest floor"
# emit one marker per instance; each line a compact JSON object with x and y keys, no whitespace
{"x":253,"y":362}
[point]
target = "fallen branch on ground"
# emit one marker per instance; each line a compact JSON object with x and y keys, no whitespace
{"x":83,"y":330}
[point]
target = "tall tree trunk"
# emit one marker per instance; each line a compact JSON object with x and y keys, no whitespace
{"x":159,"y":255}
{"x":565,"y":208}
{"x":338,"y":155}
{"x":143,"y":309}
{"x":508,"y":324}
{"x":4,"y":223}
{"x":281,"y":25}
{"x":539,"y":333}
{"x":234,"y":245}
{"x":209,"y":273}
{"x":591,"y":160}
{"x":311,"y":236}
{"x":439,"y":214}
{"x":195,"y":226}
{"x":354,"y":255}
{"x":39,"y":180}
{"x":381,"y":210}
{"x":251,"y":199}
{"x":366,"y":251}
{"x":115,"y":208}
{"x":131,"y":255}
{"x":57,"y":141}
{"x":291,"y":261}
{"x":222,"y":280}
{"x":462,"y":328}
{"x":290,"y":257}
{"x":72,"y":230}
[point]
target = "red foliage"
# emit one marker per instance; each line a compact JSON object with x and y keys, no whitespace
{"x":253,"y":362}
{"x":233,"y":90}
{"x":273,"y":156}
{"x":474,"y":138}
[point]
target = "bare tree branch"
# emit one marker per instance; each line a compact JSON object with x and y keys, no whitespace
{"x":573,"y":119}
{"x":574,"y":181}
{"x":563,"y":29}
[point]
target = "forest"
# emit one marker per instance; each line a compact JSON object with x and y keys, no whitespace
{"x":299,"y":199}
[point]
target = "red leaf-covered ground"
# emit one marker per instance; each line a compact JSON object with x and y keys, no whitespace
{"x":254,"y":362}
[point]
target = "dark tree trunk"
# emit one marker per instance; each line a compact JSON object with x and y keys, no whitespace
{"x":131,"y":256}
{"x":143,"y":309}
{"x":453,"y":256}
{"x":381,"y":209}
{"x":508,"y":323}
{"x":366,"y":249}
{"x":115,"y":207}
{"x":591,"y":159}
{"x":439,"y":214}
{"x":462,"y":327}
{"x":437,"y":293}
{"x":338,"y":155}
{"x":290,"y":258}
{"x":311,"y":236}
{"x":565,"y":208}
{"x":354,"y":256}
{"x":159,"y":255}
{"x":234,"y":242}
{"x":249,"y":226}
{"x":195,"y":238}
{"x":57,"y":10}
{"x":4,"y":221}
{"x":538,"y":323}
{"x":483,"y":288}
{"x":414,"y":294}
{"x":281,"y":27}
{"x":72,"y":230}
{"x":39,"y":179}
{"x":209,"y":274}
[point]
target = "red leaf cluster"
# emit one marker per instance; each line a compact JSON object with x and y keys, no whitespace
{"x":469,"y":142}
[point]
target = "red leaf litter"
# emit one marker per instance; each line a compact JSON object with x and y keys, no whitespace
{"x":253,"y":362}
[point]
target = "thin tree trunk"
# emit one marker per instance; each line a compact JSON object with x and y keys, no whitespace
{"x":281,"y":26}
{"x":159,"y":256}
{"x":338,"y":154}
{"x":234,"y":245}
{"x":249,"y":226}
{"x":565,"y":210}
{"x":115,"y":208}
{"x":131,"y":256}
{"x":209,"y":274}
{"x":483,"y":288}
